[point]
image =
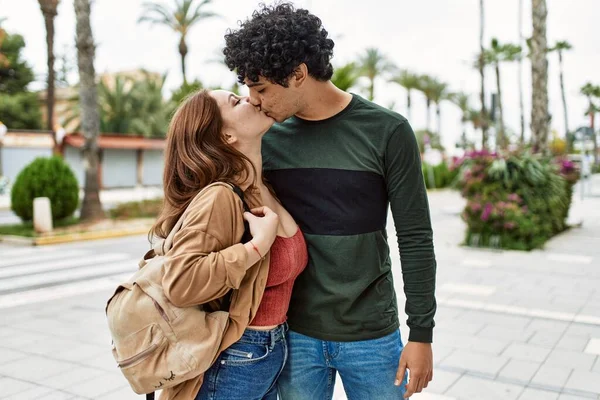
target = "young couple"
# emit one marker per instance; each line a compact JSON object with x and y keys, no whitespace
{"x":318,"y":168}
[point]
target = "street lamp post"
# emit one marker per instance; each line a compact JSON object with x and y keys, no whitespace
{"x":3,"y":130}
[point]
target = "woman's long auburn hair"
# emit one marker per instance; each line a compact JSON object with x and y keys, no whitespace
{"x":196,"y":155}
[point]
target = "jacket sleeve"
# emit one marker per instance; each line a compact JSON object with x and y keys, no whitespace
{"x":206,"y":260}
{"x":410,"y":210}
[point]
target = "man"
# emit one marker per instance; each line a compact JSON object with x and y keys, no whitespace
{"x":336,"y":161}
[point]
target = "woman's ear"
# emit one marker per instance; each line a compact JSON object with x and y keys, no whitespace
{"x":230,"y":139}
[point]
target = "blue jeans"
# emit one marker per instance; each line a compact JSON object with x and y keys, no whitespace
{"x":248,"y":370}
{"x":367,"y":368}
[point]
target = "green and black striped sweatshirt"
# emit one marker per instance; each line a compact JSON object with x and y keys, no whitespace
{"x":337,"y":178}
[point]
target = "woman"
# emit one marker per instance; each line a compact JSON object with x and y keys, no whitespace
{"x":216,"y":137}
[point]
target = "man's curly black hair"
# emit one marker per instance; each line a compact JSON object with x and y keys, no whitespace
{"x":275,"y":41}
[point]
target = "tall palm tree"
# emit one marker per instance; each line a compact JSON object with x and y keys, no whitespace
{"x":520,"y":73}
{"x":410,"y":82}
{"x":346,"y":76}
{"x":439,"y":92}
{"x":427,"y":87}
{"x":560,"y":47}
{"x":461,"y":100}
{"x":539,"y":76}
{"x":86,"y":50}
{"x":373,"y":63}
{"x":481,"y":67}
{"x":180,"y":19}
{"x":590,"y":91}
{"x":496,"y":54}
{"x":49,"y":11}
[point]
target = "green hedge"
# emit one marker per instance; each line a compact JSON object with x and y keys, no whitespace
{"x":45,"y":177}
{"x":443,"y":176}
{"x":515,"y":202}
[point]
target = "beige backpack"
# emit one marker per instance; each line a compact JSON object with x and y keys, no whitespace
{"x":155,"y":344}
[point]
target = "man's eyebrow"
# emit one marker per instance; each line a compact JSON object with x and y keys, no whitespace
{"x":253,"y":84}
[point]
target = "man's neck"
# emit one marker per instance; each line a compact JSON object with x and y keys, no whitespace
{"x":323,"y":100}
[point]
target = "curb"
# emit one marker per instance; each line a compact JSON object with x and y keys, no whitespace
{"x":72,"y":237}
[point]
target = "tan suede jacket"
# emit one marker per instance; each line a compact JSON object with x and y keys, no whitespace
{"x":207,"y":260}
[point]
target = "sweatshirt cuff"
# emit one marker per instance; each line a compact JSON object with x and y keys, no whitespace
{"x":235,"y":258}
{"x":422,"y":335}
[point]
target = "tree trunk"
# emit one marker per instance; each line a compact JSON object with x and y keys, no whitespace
{"x":539,"y":75}
{"x":521,"y":105}
{"x":372,"y":88}
{"x":593,"y":127}
{"x":183,"y":50}
{"x":428,"y":115}
{"x":49,"y":12}
{"x":90,"y":120}
{"x":562,"y":92}
{"x":408,"y":105}
{"x":438,"y":113}
{"x":482,"y":74}
{"x":501,"y":136}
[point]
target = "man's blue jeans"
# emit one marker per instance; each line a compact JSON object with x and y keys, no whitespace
{"x":367,"y":368}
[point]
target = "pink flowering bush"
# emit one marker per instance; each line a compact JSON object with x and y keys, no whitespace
{"x":513,"y":202}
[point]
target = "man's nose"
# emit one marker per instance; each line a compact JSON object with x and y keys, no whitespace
{"x":254,"y":100}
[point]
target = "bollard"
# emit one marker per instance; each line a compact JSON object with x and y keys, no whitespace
{"x":42,"y":215}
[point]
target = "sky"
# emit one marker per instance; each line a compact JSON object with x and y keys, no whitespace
{"x":435,"y":37}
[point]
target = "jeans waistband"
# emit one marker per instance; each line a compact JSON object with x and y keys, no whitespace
{"x":269,"y":337}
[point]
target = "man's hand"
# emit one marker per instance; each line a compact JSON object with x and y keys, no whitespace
{"x":418,"y":359}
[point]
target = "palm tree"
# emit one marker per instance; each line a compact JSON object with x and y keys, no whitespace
{"x":410,"y":82}
{"x":86,"y":49}
{"x":49,"y":11}
{"x":539,"y":76}
{"x":481,"y":67}
{"x":3,"y":59}
{"x":439,"y":92}
{"x":520,"y":72}
{"x":461,"y":100}
{"x":590,"y":91}
{"x":559,"y":47}
{"x":427,"y":87}
{"x":495,"y":55}
{"x":373,"y":64}
{"x":180,"y":19}
{"x":346,"y":76}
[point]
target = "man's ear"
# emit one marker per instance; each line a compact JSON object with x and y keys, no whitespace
{"x":299,"y":75}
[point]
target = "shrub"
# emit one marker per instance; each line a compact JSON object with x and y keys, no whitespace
{"x":45,"y":177}
{"x":514,"y":202}
{"x":137,"y":209}
{"x":443,"y":176}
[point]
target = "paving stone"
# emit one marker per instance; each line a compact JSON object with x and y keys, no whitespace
{"x":7,"y":355}
{"x":469,"y":387}
{"x":551,"y":375}
{"x":573,"y":342}
{"x":36,"y":393}
{"x":503,"y":333}
{"x":35,"y":368}
{"x":103,"y":384}
{"x":571,"y":359}
{"x":519,"y":370}
{"x":593,"y":347}
{"x":526,"y":352}
{"x":442,"y":380}
{"x":584,"y":381}
{"x":126,"y":394}
{"x":535,"y":394}
{"x":14,"y":386}
{"x":475,"y":362}
{"x":75,"y":376}
{"x":546,"y":339}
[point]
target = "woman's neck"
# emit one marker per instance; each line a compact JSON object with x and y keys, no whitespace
{"x":254,"y":155}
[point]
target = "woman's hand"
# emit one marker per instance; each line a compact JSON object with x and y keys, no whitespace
{"x":263,"y":227}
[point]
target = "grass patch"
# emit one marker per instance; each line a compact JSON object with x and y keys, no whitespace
{"x":137,"y":209}
{"x":26,"y":228}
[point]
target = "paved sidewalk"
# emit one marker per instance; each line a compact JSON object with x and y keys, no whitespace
{"x":510,"y":325}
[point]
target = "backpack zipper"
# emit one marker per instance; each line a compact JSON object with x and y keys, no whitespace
{"x":132,"y":360}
